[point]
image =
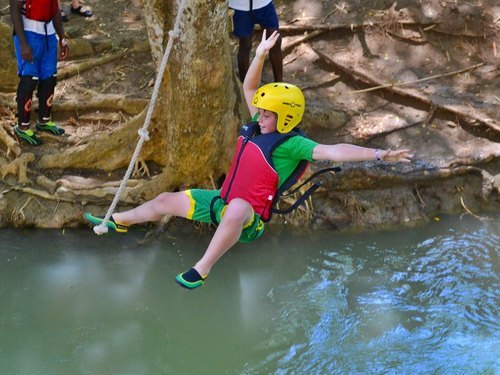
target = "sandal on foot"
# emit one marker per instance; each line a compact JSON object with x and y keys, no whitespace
{"x":111,"y":223}
{"x":64,"y":16}
{"x":27,"y":136}
{"x":81,"y":12}
{"x":50,"y":127}
{"x":190,"y":279}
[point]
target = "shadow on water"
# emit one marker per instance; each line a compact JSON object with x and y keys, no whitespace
{"x":423,"y":300}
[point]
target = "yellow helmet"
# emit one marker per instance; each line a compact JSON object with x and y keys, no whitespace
{"x":284,"y":99}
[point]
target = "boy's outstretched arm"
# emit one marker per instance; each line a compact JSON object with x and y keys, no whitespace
{"x":254,"y":74}
{"x":344,"y":152}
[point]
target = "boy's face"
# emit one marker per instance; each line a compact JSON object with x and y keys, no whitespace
{"x":267,"y":121}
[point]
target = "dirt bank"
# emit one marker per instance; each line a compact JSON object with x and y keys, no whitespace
{"x":419,"y":75}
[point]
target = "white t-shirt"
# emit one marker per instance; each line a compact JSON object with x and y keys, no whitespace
{"x":245,"y":4}
{"x":38,"y":27}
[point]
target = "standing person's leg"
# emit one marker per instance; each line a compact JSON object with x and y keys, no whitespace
{"x":243,"y":29}
{"x":267,"y":18}
{"x":46,"y":87}
{"x":76,"y":8}
{"x":29,"y":72}
{"x":64,"y":16}
{"x":276,"y":58}
{"x":245,"y":46}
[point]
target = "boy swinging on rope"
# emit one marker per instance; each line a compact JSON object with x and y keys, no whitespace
{"x":268,"y":152}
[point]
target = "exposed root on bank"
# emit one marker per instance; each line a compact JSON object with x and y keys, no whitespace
{"x":74,"y":69}
{"x":18,"y":168}
{"x":109,"y":102}
{"x":160,"y":228}
{"x":301,"y":40}
{"x":82,"y":183}
{"x":99,"y":151}
{"x":351,"y":26}
{"x":141,"y":169}
{"x":482,"y":218}
{"x":463,"y":112}
{"x":99,"y":196}
{"x":102,"y":134}
{"x":9,"y":141}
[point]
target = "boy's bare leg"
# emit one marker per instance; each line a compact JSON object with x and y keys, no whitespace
{"x":177,"y":204}
{"x":228,"y":232}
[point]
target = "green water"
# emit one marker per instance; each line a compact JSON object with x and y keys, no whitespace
{"x":416,"y":301}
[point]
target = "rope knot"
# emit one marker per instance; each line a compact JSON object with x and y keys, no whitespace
{"x":174,"y":34}
{"x":143,"y":133}
{"x":101,"y":229}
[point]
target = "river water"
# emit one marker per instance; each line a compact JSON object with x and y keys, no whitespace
{"x":412,"y":301}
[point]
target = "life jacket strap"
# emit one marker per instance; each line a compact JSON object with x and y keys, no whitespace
{"x":212,"y":212}
{"x":307,"y":193}
{"x":311,"y":177}
{"x":299,"y":201}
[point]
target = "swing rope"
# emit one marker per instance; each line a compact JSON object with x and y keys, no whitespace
{"x":143,"y":132}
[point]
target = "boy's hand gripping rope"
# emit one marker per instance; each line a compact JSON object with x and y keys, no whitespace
{"x":143,"y":132}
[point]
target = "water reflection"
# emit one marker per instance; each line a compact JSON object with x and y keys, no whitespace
{"x":416,"y":301}
{"x":385,"y":304}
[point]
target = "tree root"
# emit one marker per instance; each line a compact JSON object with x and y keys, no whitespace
{"x":414,"y":38}
{"x":82,"y":183}
{"x":351,"y":26}
{"x":99,"y":151}
{"x":466,"y":114}
{"x":389,"y":85}
{"x":301,"y":40}
{"x":362,"y":178}
{"x":9,"y":142}
{"x":37,"y":193}
{"x":67,"y":191}
{"x":159,"y":229}
{"x":75,"y":69}
{"x":105,"y":117}
{"x":18,"y":214}
{"x":389,"y":17}
{"x":111,"y":102}
{"x":334,"y":78}
{"x":7,"y":99}
{"x":482,"y":218}
{"x":140,"y":169}
{"x":18,"y":167}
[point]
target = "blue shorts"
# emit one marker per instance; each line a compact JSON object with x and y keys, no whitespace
{"x":44,"y":50}
{"x":244,"y":21}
